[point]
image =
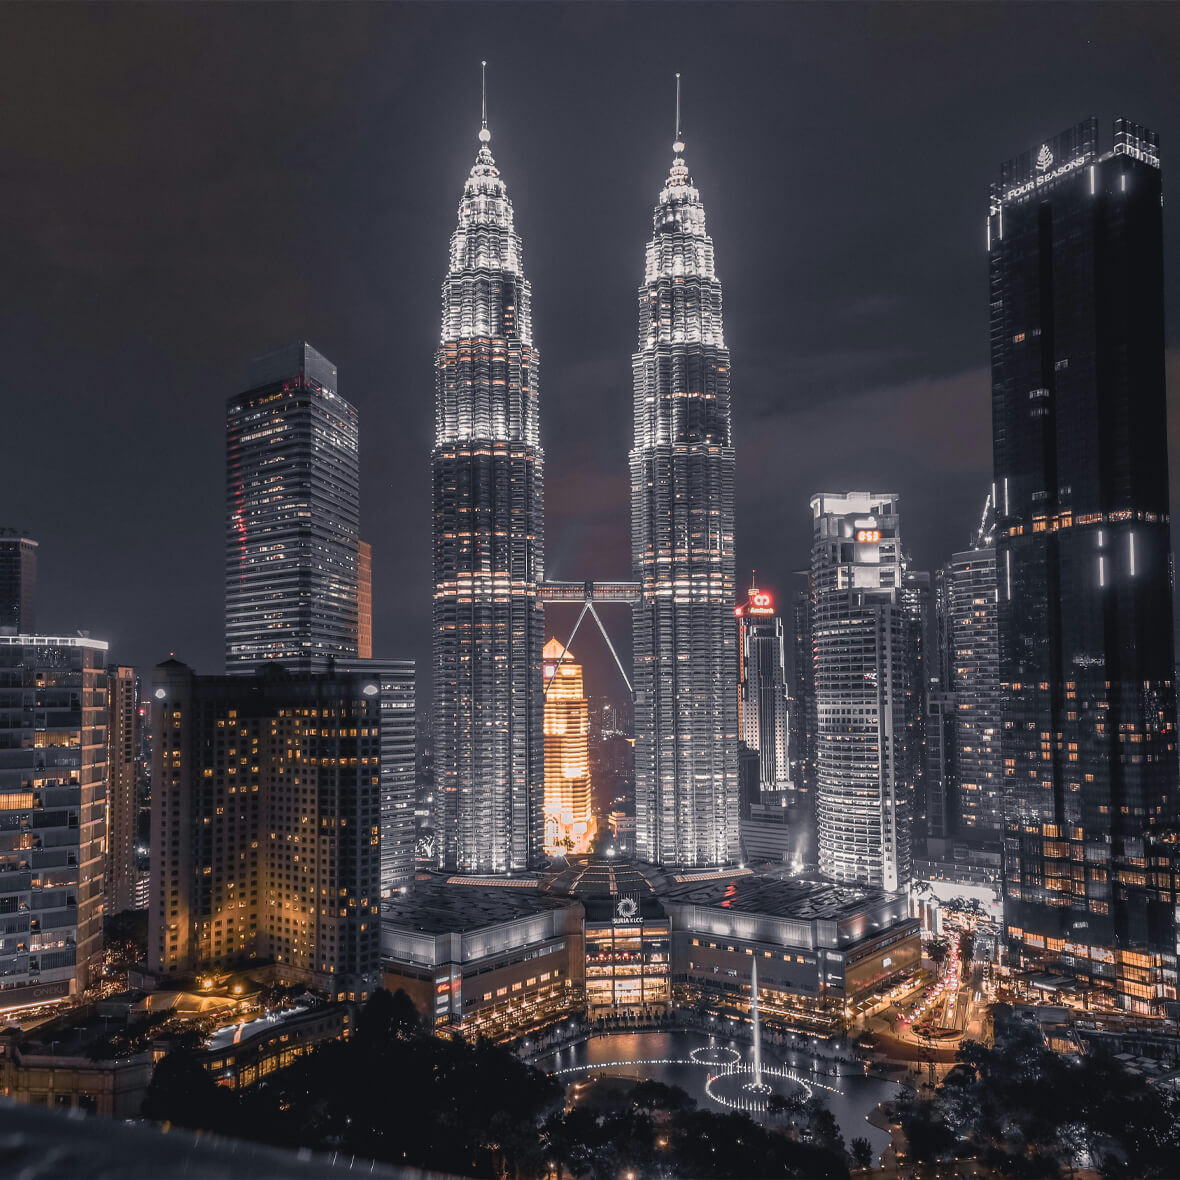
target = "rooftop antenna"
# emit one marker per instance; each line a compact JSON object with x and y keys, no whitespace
{"x":677,"y":114}
{"x":484,"y":133}
{"x":753,"y":579}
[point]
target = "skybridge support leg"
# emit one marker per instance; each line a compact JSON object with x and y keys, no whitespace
{"x":619,"y":663}
{"x":565,"y":647}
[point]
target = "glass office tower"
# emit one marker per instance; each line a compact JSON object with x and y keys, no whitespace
{"x":1083,"y":562}
{"x":763,"y":722}
{"x":18,"y":582}
{"x":292,"y":516}
{"x":53,"y":762}
{"x":682,"y":469}
{"x":974,"y":657}
{"x":488,"y":546}
{"x":861,"y":622}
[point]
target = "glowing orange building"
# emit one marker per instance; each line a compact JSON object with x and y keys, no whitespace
{"x":569,"y":819}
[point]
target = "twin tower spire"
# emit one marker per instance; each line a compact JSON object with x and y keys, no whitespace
{"x":488,"y":516}
{"x":485,"y":135}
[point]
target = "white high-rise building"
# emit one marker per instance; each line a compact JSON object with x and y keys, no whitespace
{"x":860,"y":624}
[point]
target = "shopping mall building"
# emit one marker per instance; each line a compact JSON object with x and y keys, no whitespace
{"x":600,"y":939}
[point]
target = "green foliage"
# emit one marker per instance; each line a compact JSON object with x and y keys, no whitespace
{"x":706,"y":1145}
{"x":128,"y":926}
{"x":653,"y":1095}
{"x":390,"y":1093}
{"x":1030,"y":1111}
{"x":125,"y":938}
{"x":182,"y":1091}
{"x":397,"y":1094}
{"x":861,"y":1151}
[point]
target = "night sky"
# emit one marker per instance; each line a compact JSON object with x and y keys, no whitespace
{"x":184,"y":187}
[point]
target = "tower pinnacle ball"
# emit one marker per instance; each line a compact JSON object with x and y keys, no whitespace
{"x":484,"y":133}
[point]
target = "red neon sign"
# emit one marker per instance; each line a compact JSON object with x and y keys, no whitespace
{"x":759,"y":603}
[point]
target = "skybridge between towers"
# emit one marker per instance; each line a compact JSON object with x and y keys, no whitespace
{"x":589,"y":594}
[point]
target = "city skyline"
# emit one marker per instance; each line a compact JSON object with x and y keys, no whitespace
{"x":353,"y":313}
{"x":907,"y":897}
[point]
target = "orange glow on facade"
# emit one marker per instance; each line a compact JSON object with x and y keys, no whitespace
{"x":569,"y":819}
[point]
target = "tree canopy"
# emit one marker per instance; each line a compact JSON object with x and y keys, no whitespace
{"x":1030,"y":1111}
{"x":395,"y":1093}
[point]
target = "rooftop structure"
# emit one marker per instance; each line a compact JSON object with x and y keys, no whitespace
{"x":438,"y":907}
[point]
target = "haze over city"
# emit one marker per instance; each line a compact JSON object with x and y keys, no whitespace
{"x":588,"y":589}
{"x":190,"y":186}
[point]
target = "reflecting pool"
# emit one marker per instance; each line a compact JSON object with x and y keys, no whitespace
{"x":718,"y":1074}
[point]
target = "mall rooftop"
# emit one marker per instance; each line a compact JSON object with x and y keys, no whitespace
{"x":438,"y":905}
{"x":802,"y":899}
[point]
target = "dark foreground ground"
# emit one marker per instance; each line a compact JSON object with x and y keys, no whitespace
{"x":41,"y":1144}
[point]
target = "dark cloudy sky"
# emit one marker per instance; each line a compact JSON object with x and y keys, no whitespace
{"x":184,"y":186}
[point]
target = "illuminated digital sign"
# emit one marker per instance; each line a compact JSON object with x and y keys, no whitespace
{"x":760,"y":603}
{"x":867,"y":536}
{"x":1045,"y":176}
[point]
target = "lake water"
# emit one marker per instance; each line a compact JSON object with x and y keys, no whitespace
{"x":683,"y":1059}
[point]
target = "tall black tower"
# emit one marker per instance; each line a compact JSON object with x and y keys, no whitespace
{"x":1083,"y":560}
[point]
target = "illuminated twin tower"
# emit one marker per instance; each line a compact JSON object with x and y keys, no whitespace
{"x":489,"y":574}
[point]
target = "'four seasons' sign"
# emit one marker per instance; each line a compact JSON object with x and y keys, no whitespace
{"x":1046,"y":177}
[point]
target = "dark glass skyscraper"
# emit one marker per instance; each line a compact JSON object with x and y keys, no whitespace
{"x":1075,"y":242}
{"x":487,"y":468}
{"x":972,"y":630}
{"x":763,"y":724}
{"x":18,"y":582}
{"x":292,"y":516}
{"x":682,"y":467}
{"x":802,"y":744}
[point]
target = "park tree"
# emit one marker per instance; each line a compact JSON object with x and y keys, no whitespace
{"x":861,"y":1151}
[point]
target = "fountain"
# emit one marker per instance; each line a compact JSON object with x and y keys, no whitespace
{"x":756,"y":1085}
{"x":730,"y":1081}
